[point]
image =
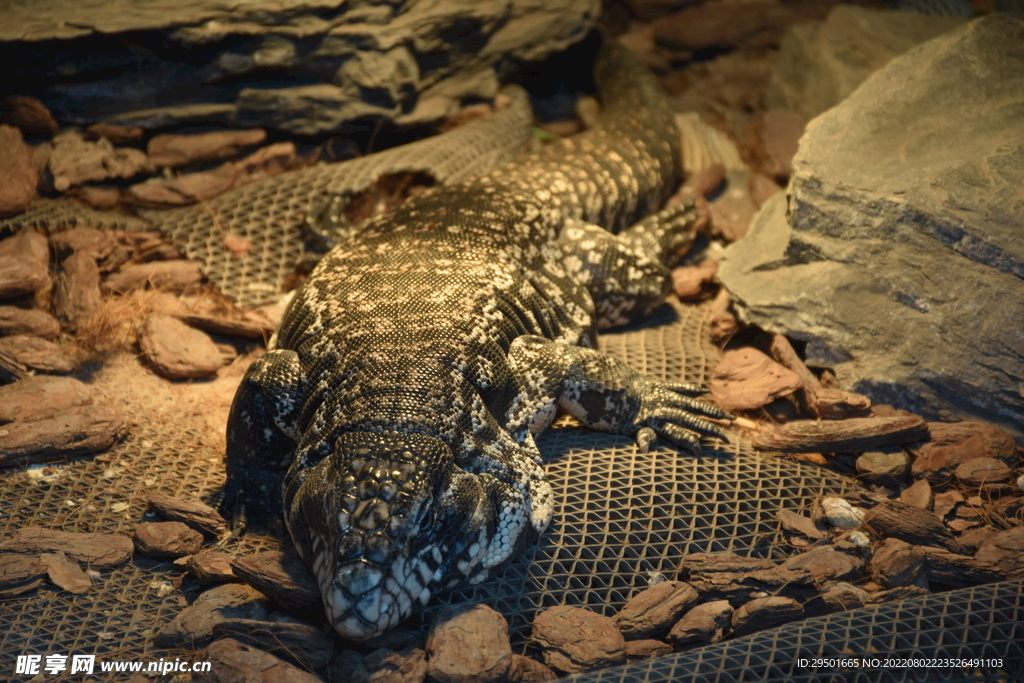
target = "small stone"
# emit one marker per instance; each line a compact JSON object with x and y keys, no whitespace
{"x":193,"y":626}
{"x":978,"y":472}
{"x":76,"y":290}
{"x":171,"y":276}
{"x":119,"y":135}
{"x":18,"y":174}
{"x":468,"y":644}
{"x":27,"y":114}
{"x":896,"y":563}
{"x":41,"y":396}
{"x":884,"y":467}
{"x":30,"y":321}
{"x":283,"y":577}
{"x":167,"y":539}
{"x":704,"y":624}
{"x":73,"y":160}
{"x":645,"y":649}
{"x":746,"y":379}
{"x":181,"y":150}
{"x":210,"y":567}
{"x":104,"y":551}
{"x":24,"y":264}
{"x":37,"y":353}
{"x":233,"y":662}
{"x":918,"y":494}
{"x":71,"y":432}
{"x":690,"y":282}
{"x":840,"y":514}
{"x":574,"y":639}
{"x":66,"y":573}
{"x":526,"y":670}
{"x":652,"y":611}
{"x":762,"y":613}
{"x":177,"y":351}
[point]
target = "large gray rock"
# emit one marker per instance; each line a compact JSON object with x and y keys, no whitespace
{"x":900,"y":260}
{"x":821,"y":63}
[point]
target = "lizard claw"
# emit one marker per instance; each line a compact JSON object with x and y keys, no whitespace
{"x":680,"y":418}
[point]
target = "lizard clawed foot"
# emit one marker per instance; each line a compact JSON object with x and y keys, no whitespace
{"x":671,"y":411}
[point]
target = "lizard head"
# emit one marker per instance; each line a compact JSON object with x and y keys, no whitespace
{"x":384,"y":521}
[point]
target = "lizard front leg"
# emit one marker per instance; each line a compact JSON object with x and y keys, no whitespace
{"x":262,"y":432}
{"x":605,"y":394}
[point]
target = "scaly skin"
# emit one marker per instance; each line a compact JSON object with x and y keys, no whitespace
{"x":397,"y":409}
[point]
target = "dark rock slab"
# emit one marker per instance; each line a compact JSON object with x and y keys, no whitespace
{"x":652,"y":611}
{"x":925,"y":153}
{"x":167,"y":539}
{"x":93,"y":550}
{"x":704,"y":624}
{"x":18,"y":174}
{"x":192,"y":628}
{"x":232,"y":662}
{"x":575,"y":639}
{"x":72,"y":432}
{"x":283,"y":577}
{"x":468,"y":644}
{"x":24,"y":264}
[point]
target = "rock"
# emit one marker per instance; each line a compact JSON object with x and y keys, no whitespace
{"x":645,"y":649}
{"x":827,"y":564}
{"x":773,"y":138}
{"x":72,"y":432}
{"x":885,"y":467}
{"x":167,"y":539}
{"x":762,"y":188}
{"x":177,"y":351}
{"x":283,"y":577}
{"x":210,"y":567}
{"x":41,"y":396}
{"x":980,"y":472}
{"x":291,"y":639}
{"x":27,"y":114}
{"x":821,"y":63}
{"x":793,"y":521}
{"x":181,"y":150}
{"x":195,"y":514}
{"x":66,"y":573}
{"x":18,"y":174}
{"x":953,"y":444}
{"x":911,"y":524}
{"x":171,"y":276}
{"x":119,"y":135}
{"x":652,"y":611}
{"x":193,"y":626}
{"x":925,"y":162}
{"x":20,"y":573}
{"x":233,"y":662}
{"x":762,"y":613}
{"x":24,"y":264}
{"x":30,"y":321}
{"x":185,"y":189}
{"x":692,"y":282}
{"x":575,"y":639}
{"x":746,"y":379}
{"x":468,"y":644}
{"x":1003,"y":552}
{"x":839,"y":436}
{"x":838,"y":513}
{"x":758,"y":24}
{"x":37,"y":353}
{"x":704,"y":624}
{"x":918,"y":494}
{"x":103,"y":551}
{"x":526,"y":670}
{"x":896,"y":563}
{"x":73,"y":160}
{"x":76,"y":289}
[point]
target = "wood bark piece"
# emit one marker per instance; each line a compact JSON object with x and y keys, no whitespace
{"x":302,"y":643}
{"x":884,"y":467}
{"x":98,"y":244}
{"x":66,"y":573}
{"x":954,"y":443}
{"x":167,"y":539}
{"x":18,"y":174}
{"x":92,"y":550}
{"x":468,"y":643}
{"x":249,"y":327}
{"x":192,"y":627}
{"x":41,"y":396}
{"x":185,"y":189}
{"x":194,"y":513}
{"x":979,"y":472}
{"x":651,"y":612}
{"x":76,"y":289}
{"x":37,"y":353}
{"x":211,"y":567}
{"x":20,"y":573}
{"x":704,"y":624}
{"x":181,"y":150}
{"x":76,"y":431}
{"x":527,"y":670}
{"x":24,"y":264}
{"x":575,"y":639}
{"x":911,"y":524}
{"x":171,"y":276}
{"x":838,"y":598}
{"x":746,"y":379}
{"x":826,"y":564}
{"x":727,"y":576}
{"x":235,"y":662}
{"x":793,"y":521}
{"x":957,"y":571}
{"x":1004,"y":552}
{"x":694,"y":282}
{"x":645,"y":649}
{"x":918,"y":494}
{"x":178,"y":351}
{"x":27,"y":114}
{"x":389,"y":666}
{"x":119,"y":135}
{"x":895,"y":594}
{"x":839,"y":436}
{"x":283,"y":577}
{"x":762,"y":613}
{"x":30,"y":321}
{"x":73,"y":160}
{"x":896,"y":563}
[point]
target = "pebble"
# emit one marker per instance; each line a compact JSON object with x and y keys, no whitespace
{"x":574,"y":639}
{"x":468,"y":644}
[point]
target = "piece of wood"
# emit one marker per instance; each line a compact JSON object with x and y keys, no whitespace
{"x":194,"y":513}
{"x":76,"y":431}
{"x":821,"y":402}
{"x":94,"y":550}
{"x":911,"y":524}
{"x":839,"y":436}
{"x":283,"y":577}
